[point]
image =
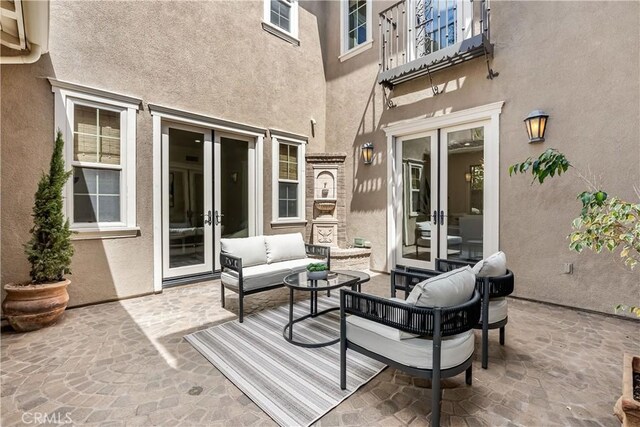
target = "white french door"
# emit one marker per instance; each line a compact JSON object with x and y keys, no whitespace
{"x":444,"y":206}
{"x":187,"y":201}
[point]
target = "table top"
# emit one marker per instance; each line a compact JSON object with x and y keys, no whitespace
{"x":364,"y":277}
{"x":334,"y":280}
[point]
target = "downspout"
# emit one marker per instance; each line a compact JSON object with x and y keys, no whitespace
{"x":29,"y":58}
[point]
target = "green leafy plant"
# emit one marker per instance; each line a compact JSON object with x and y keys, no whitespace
{"x":318,"y":266}
{"x":549,"y":163}
{"x":604,"y":222}
{"x":607,"y":223}
{"x":49,"y":250}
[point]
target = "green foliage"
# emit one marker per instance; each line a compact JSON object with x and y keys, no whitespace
{"x":319,"y":266}
{"x":49,"y":250}
{"x":607,"y":223}
{"x":631,"y":309}
{"x":550,"y":163}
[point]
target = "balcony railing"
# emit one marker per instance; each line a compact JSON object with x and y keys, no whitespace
{"x":422,"y":36}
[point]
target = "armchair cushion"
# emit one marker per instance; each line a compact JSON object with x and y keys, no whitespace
{"x":251,"y":250}
{"x":284,"y":247}
{"x":416,"y":352}
{"x":445,"y":290}
{"x":264,"y":275}
{"x":494,"y":265}
{"x":497,"y":310}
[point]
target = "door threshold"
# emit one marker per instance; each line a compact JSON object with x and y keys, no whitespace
{"x":188,"y":280}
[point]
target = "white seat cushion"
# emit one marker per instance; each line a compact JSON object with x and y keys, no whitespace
{"x":283,"y":247}
{"x":497,"y":310}
{"x":295,"y":264}
{"x":252,"y":250}
{"x":445,"y":290}
{"x":492,"y":266}
{"x":258,"y":276}
{"x":416,"y":352}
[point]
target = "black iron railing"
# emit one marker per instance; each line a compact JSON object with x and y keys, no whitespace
{"x":414,"y":29}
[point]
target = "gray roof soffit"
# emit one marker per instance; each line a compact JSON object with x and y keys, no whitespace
{"x":214,"y":121}
{"x":451,"y":55}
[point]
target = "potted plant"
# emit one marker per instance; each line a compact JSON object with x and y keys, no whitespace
{"x":33,"y":305}
{"x":317,"y":271}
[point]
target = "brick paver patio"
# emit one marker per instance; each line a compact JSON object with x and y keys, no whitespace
{"x":126,"y":363}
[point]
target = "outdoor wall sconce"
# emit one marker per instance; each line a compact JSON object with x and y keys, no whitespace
{"x":467,"y":176}
{"x":367,"y":153}
{"x":536,"y":124}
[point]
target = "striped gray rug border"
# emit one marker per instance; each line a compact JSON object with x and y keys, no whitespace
{"x":295,"y":386}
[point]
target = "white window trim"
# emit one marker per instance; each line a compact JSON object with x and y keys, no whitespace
{"x":345,"y":52}
{"x":490,"y":112}
{"x":66,"y":96}
{"x":290,"y":36}
{"x":413,"y":165}
{"x":275,"y":162}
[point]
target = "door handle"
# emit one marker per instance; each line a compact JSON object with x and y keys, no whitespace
{"x":207,"y":218}
{"x":218,"y":218}
{"x":441,"y":217}
{"x":435,"y":217}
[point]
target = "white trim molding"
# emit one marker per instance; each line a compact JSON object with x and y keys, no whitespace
{"x":292,"y":35}
{"x":485,"y":115}
{"x":345,"y":52}
{"x":276,"y":140}
{"x":67,"y":95}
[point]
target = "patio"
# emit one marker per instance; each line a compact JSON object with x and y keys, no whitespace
{"x":126,"y":363}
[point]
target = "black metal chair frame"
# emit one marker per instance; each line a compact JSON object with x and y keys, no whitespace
{"x":434,"y":323}
{"x":234,"y":263}
{"x":488,"y":287}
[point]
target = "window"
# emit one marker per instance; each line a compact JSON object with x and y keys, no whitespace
{"x":99,"y":131}
{"x":356,"y":26}
{"x":415,"y":175}
{"x":281,"y":18}
{"x":288,"y":167}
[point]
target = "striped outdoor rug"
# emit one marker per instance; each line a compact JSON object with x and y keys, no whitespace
{"x":295,"y":386}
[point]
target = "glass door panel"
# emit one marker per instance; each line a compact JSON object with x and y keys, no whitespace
{"x":416,"y":169}
{"x":187,"y":190}
{"x":462,"y":185}
{"x":234,"y":187}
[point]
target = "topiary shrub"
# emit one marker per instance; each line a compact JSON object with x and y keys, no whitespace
{"x":49,"y":250}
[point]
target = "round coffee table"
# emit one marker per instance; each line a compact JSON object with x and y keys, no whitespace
{"x":300,"y":282}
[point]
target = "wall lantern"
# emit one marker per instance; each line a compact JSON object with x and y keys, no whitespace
{"x":467,"y":176}
{"x":367,"y":153}
{"x":536,"y":124}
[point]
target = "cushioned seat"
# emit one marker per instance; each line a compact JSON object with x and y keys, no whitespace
{"x":261,"y":276}
{"x":497,"y":310}
{"x":415,"y":352}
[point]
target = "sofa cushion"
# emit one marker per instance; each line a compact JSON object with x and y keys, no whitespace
{"x":494,"y":265}
{"x":258,"y":276}
{"x":252,"y":250}
{"x":416,"y":352}
{"x":283,"y":247}
{"x":295,"y":264}
{"x":445,"y":290}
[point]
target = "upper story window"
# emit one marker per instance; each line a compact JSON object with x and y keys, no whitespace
{"x":281,"y":19}
{"x":100,"y":148}
{"x":356,"y":27}
{"x":288,"y":182}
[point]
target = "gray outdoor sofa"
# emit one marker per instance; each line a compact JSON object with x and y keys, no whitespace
{"x":259,"y":263}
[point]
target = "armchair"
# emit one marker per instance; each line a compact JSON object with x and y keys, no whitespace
{"x":375,"y":327}
{"x":493,"y":291}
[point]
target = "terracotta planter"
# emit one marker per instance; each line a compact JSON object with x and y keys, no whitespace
{"x":627,"y":409}
{"x":31,"y":307}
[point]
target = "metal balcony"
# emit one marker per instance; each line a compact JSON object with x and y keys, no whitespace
{"x":419,"y":37}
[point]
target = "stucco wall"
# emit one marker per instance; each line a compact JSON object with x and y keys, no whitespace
{"x":211,"y":58}
{"x":548,"y":57}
